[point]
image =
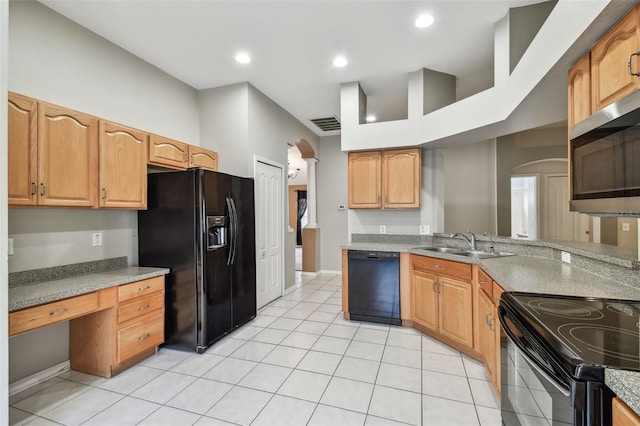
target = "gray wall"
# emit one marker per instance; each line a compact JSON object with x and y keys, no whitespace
{"x":53,"y":59}
{"x":332,"y":191}
{"x":518,"y":149}
{"x":470,"y":188}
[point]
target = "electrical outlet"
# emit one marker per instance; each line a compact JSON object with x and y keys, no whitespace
{"x":424,"y":229}
{"x":96,"y":239}
{"x":383,"y":229}
{"x":10,"y":247}
{"x":625,"y":226}
{"x":566,"y":257}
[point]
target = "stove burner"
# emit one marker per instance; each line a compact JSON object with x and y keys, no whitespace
{"x":630,"y":309}
{"x":598,"y":338}
{"x":565,"y":309}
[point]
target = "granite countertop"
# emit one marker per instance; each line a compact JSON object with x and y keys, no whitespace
{"x":626,"y":385}
{"x":547,"y":275}
{"x":27,"y":294}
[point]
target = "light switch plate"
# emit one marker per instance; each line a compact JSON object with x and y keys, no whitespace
{"x":383,"y":229}
{"x":424,"y":229}
{"x":625,"y":226}
{"x":566,"y":257}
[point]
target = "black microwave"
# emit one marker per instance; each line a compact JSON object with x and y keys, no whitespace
{"x":605,"y":160}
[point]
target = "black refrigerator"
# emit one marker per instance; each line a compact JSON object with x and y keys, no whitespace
{"x":201,"y":225}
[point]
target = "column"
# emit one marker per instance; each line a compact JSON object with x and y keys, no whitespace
{"x":311,"y":193}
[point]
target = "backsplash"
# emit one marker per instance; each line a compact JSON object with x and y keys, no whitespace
{"x":65,"y":271}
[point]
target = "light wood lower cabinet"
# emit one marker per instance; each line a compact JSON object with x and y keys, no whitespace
{"x":443,"y":299}
{"x":622,"y":415}
{"x":489,"y":336}
{"x":109,"y":330}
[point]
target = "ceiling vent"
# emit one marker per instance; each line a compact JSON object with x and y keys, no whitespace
{"x":327,"y":124}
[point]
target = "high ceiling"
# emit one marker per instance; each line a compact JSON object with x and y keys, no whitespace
{"x":293,"y":43}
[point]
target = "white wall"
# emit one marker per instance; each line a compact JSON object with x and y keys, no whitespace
{"x":224,"y":126}
{"x":53,"y":59}
{"x":470,"y":188}
{"x":4,"y":299}
{"x":332,"y":191}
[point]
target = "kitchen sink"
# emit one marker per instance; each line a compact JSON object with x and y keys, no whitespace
{"x":478,"y":254}
{"x":439,"y":249}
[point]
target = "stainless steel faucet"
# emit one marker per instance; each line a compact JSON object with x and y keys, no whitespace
{"x":470,"y":240}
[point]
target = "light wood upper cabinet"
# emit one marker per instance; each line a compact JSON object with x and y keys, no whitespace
{"x":610,"y":79}
{"x":401,"y":173}
{"x":203,"y":158}
{"x":365,"y":180}
{"x":579,"y":90}
{"x":168,"y":153}
{"x":67,"y":157}
{"x":22,"y":150}
{"x":385,"y":179}
{"x":123,"y":167}
{"x":622,"y":415}
{"x":53,"y":155}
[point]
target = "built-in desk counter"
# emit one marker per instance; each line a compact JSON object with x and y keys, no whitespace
{"x":116,"y":316}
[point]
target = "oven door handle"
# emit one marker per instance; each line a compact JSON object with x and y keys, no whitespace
{"x":544,"y":374}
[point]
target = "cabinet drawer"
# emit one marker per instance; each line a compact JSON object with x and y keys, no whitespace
{"x":140,"y":306}
{"x":51,"y":313}
{"x":485,"y":283}
{"x":140,"y":288}
{"x":442,"y":267}
{"x":140,"y":336}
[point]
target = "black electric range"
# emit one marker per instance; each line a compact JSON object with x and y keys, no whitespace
{"x":559,"y":346}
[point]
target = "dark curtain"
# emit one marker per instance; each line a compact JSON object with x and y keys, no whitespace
{"x":302,"y":207}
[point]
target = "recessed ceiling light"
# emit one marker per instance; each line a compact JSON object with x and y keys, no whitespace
{"x":423,"y":21}
{"x":340,"y":62}
{"x":243,"y":58}
{"x":371,"y":118}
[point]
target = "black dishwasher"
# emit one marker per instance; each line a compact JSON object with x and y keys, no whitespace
{"x":374,"y":287}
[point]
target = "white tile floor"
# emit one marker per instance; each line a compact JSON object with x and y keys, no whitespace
{"x":298,"y":363}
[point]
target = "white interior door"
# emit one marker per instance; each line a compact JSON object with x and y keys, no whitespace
{"x":269,"y":231}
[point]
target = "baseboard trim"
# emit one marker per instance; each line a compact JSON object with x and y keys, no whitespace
{"x":39,"y":377}
{"x":326,"y":271}
{"x":309,"y":274}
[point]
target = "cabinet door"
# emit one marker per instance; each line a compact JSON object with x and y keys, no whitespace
{"x":455,"y":319}
{"x":22,"y":150}
{"x":486,"y":330}
{"x":610,"y":79}
{"x":123,"y":167}
{"x":365,"y":180}
{"x":67,"y":157}
{"x":579,"y":90}
{"x":425,"y":299}
{"x":622,"y":415}
{"x":401,"y":173}
{"x":168,"y":153}
{"x":203,"y":158}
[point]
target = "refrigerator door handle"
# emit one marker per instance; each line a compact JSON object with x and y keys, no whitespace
{"x":234,"y":231}
{"x":232,"y":241}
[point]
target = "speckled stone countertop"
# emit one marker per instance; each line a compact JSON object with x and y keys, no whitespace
{"x":625,"y":384}
{"x":536,"y":269}
{"x":24,"y":294}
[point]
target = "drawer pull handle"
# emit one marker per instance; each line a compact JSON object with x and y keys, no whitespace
{"x":58,"y":313}
{"x":34,"y":188}
{"x":435,"y":265}
{"x":144,"y":337}
{"x":144,"y":288}
{"x":481,"y":281}
{"x":489,"y":320}
{"x":43,"y":187}
{"x":142,"y":308}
